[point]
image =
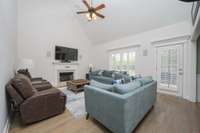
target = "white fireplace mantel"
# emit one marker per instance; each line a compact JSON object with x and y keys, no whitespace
{"x":63,"y":67}
{"x":65,"y":63}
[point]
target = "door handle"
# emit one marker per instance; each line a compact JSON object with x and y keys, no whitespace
{"x":180,"y":73}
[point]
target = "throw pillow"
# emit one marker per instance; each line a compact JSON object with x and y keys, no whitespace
{"x":101,"y":85}
{"x":124,"y":72}
{"x":126,"y":88}
{"x":107,"y":73}
{"x":95,"y":72}
{"x":145,"y":80}
{"x":100,"y":72}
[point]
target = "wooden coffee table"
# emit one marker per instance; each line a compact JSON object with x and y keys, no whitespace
{"x":77,"y":85}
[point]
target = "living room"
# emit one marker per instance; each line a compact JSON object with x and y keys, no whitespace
{"x":154,"y":42}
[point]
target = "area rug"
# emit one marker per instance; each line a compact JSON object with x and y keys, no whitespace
{"x":75,"y":103}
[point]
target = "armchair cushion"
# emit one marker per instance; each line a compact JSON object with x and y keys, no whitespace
{"x":23,"y":85}
{"x":126,"y":88}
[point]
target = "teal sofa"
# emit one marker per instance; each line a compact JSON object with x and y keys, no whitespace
{"x":109,"y":76}
{"x":120,"y":111}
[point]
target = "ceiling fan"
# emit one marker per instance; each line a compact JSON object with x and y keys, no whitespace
{"x":92,"y":12}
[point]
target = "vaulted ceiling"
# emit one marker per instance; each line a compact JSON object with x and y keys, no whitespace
{"x":129,"y":17}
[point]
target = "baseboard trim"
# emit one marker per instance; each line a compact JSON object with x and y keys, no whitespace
{"x":7,"y":126}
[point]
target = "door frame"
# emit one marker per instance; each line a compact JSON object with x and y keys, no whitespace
{"x":180,"y":83}
{"x":178,"y":40}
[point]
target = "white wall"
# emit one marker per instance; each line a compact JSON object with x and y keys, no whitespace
{"x":145,"y":65}
{"x":198,"y":69}
{"x":44,"y":23}
{"x":143,"y":39}
{"x":8,"y":40}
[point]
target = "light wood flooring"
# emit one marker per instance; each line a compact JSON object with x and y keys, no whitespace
{"x":169,"y":115}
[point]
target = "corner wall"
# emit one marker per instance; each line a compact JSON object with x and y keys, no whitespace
{"x":8,"y":40}
{"x":42,"y":25}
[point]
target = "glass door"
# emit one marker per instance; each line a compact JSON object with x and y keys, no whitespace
{"x":170,"y":69}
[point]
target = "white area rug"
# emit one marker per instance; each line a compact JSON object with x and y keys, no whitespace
{"x":75,"y":103}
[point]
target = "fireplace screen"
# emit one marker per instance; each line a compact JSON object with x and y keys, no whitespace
{"x":66,"y":76}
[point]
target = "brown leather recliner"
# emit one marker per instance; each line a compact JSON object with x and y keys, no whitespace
{"x":34,"y":105}
{"x":39,"y":84}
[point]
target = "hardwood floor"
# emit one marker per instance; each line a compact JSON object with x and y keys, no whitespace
{"x":169,"y":115}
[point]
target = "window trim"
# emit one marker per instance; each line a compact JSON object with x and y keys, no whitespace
{"x":121,"y":51}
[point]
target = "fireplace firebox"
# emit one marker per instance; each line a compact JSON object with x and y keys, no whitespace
{"x":66,"y":76}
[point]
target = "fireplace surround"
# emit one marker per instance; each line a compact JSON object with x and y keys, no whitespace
{"x":64,"y":72}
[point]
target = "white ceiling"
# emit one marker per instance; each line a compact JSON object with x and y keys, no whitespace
{"x":129,"y":17}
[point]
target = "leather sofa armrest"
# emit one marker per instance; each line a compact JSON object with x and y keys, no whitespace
{"x":42,"y":105}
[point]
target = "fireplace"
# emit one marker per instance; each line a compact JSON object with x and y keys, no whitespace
{"x":64,"y":72}
{"x":66,"y":76}
{"x":63,"y":77}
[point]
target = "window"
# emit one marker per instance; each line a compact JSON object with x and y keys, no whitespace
{"x":123,"y":60}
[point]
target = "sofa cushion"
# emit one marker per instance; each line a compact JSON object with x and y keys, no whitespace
{"x":107,"y":73}
{"x":145,"y":80}
{"x":96,"y":73}
{"x":23,"y":85}
{"x":126,"y":79}
{"x":101,"y":85}
{"x":123,"y":72}
{"x":117,"y":76}
{"x":126,"y":88}
{"x":102,"y":79}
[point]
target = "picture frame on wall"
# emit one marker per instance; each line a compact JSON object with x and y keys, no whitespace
{"x":194,"y":11}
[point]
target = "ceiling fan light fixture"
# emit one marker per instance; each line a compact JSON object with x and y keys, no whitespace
{"x":91,"y":17}
{"x":92,"y":13}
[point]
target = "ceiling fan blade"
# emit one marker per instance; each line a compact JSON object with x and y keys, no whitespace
{"x":99,"y":15}
{"x":82,"y":12}
{"x":100,"y":7}
{"x":86,"y":4}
